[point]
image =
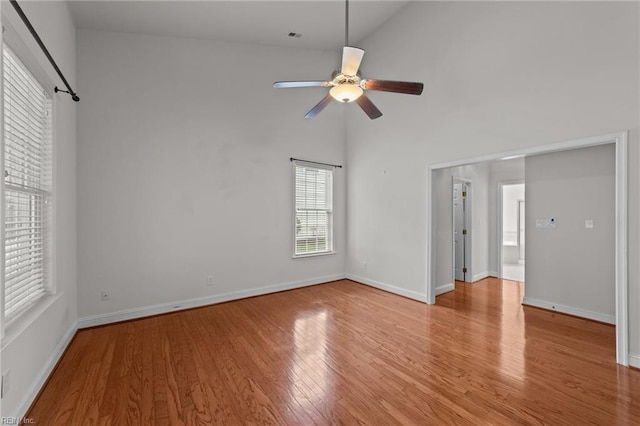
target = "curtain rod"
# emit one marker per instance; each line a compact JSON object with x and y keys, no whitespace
{"x":35,"y":35}
{"x":315,"y":162}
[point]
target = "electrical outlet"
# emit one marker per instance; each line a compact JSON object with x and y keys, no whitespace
{"x":6,"y":383}
{"x":210,"y":280}
{"x":364,"y":265}
{"x":104,"y":295}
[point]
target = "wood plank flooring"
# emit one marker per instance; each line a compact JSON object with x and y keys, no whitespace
{"x":345,"y":353}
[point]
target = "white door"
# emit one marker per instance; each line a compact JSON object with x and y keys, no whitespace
{"x":459,"y":230}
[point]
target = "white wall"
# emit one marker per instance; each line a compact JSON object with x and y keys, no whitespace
{"x":184,"y":171}
{"x":442,"y":225}
{"x":499,"y":76}
{"x":571,"y":267}
{"x":30,"y":348}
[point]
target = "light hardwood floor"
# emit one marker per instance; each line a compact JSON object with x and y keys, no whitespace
{"x":345,"y":353}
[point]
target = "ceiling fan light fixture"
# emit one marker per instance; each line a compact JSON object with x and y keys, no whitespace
{"x":346,"y":92}
{"x":346,"y":84}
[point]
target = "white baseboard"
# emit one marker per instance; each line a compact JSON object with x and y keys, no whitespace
{"x":45,"y":372}
{"x":481,"y":276}
{"x":634,"y":360}
{"x":163,"y":308}
{"x":609,"y":319}
{"x":388,"y":287}
{"x":445,"y":288}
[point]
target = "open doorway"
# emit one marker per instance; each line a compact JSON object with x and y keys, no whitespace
{"x":545,"y":221}
{"x":461,"y":231}
{"x":512,"y":231}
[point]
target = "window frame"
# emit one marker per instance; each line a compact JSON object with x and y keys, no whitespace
{"x":12,"y":40}
{"x":331,"y":210}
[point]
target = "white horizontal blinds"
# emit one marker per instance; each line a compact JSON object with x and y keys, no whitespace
{"x":313,"y":231}
{"x":28,"y":175}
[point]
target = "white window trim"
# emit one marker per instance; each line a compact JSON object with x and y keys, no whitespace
{"x":330,"y":236}
{"x":10,"y":330}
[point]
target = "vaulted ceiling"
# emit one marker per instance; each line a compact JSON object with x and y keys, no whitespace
{"x":321,"y":23}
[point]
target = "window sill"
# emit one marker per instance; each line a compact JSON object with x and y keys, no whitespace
{"x":24,"y":321}
{"x":302,"y":256}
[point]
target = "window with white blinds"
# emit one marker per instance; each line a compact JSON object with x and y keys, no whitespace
{"x":314,"y":210}
{"x":27,"y":151}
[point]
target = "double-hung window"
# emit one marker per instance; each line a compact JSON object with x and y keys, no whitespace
{"x":313,"y":228}
{"x":27,"y":157}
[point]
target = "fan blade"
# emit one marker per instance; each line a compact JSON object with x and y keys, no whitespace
{"x":368,"y":107}
{"x":351,"y":58}
{"x":319,"y":107}
{"x":405,"y":87}
{"x":294,"y":84}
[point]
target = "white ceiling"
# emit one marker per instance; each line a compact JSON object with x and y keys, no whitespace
{"x":321,"y":23}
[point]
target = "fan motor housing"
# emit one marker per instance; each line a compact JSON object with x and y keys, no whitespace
{"x":338,"y":78}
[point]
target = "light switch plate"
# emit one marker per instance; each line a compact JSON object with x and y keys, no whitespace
{"x":546,"y":223}
{"x":588,"y":223}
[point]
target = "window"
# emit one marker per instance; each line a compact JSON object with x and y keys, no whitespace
{"x":314,"y":209}
{"x":27,"y":149}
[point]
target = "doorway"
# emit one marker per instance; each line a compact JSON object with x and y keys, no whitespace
{"x":621,"y":256}
{"x":461,"y":230}
{"x":511,"y":231}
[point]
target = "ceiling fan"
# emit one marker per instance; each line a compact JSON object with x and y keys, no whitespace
{"x":346,"y":85}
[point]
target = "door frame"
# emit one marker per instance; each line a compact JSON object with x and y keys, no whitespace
{"x":621,"y":225}
{"x":468,"y":219}
{"x":499,"y":224}
{"x":521,"y":231}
